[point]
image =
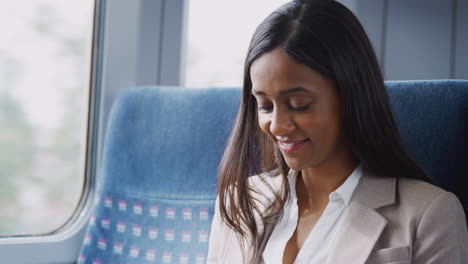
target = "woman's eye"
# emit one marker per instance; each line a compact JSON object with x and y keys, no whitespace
{"x":299,"y":108}
{"x":268,"y":108}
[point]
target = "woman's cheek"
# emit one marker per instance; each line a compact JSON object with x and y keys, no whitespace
{"x":263,"y":123}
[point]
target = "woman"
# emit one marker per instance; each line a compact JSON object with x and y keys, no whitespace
{"x":333,"y":182}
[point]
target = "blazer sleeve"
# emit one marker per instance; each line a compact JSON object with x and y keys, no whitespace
{"x":441,"y":236}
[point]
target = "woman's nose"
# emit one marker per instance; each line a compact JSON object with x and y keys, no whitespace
{"x":281,"y":123}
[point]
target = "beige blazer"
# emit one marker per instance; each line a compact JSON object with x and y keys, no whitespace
{"x":389,"y":220}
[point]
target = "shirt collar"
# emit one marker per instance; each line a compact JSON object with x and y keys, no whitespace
{"x":344,"y":192}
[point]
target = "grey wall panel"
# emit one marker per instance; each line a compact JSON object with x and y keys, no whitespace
{"x":173,"y":41}
{"x":461,"y":52}
{"x":419,"y":34}
{"x":371,"y":15}
{"x":149,"y":41}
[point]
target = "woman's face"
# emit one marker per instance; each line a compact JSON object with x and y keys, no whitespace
{"x":299,"y":109}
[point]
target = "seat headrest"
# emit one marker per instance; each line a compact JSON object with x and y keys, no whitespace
{"x":168,"y":141}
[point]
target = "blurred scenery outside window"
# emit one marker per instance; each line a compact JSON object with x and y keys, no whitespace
{"x":218,"y":39}
{"x":45,"y":61}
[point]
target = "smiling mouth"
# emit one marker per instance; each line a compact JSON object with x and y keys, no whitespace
{"x":289,"y":146}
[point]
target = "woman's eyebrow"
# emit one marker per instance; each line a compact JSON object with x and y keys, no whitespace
{"x":288,"y":91}
{"x":294,"y":90}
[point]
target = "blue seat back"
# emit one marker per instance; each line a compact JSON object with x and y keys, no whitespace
{"x":432,"y":117}
{"x":158,"y":184}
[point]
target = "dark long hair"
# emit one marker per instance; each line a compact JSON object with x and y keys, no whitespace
{"x":325,"y":36}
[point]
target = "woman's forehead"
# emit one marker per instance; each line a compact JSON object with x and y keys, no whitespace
{"x":275,"y":70}
{"x":272,"y":63}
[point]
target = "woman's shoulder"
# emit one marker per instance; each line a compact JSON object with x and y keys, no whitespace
{"x":421,"y":191}
{"x":425,"y":198}
{"x":406,"y":198}
{"x":414,"y":187}
{"x":437,"y":218}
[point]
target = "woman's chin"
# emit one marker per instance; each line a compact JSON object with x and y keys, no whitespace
{"x":299,"y":165}
{"x":294,"y":165}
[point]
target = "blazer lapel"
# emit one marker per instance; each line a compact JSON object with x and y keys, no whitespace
{"x":362,"y":225}
{"x":357,"y":235}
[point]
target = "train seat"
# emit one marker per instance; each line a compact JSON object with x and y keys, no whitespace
{"x":157,"y":189}
{"x":156,"y":192}
{"x":432,"y":117}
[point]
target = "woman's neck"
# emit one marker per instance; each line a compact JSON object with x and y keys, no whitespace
{"x":315,"y":184}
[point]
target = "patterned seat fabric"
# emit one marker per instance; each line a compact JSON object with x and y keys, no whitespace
{"x":157,"y":188}
{"x":141,"y":230}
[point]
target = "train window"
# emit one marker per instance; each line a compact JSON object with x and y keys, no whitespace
{"x":45,"y":60}
{"x":218,"y":39}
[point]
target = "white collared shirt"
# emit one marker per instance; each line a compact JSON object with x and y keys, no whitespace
{"x":316,"y":247}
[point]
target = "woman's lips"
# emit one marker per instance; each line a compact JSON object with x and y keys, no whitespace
{"x":289,"y":146}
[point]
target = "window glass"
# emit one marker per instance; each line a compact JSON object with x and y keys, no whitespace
{"x":45,"y":60}
{"x":219,"y":33}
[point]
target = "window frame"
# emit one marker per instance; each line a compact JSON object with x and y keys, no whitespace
{"x":151,"y":58}
{"x":58,"y":246}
